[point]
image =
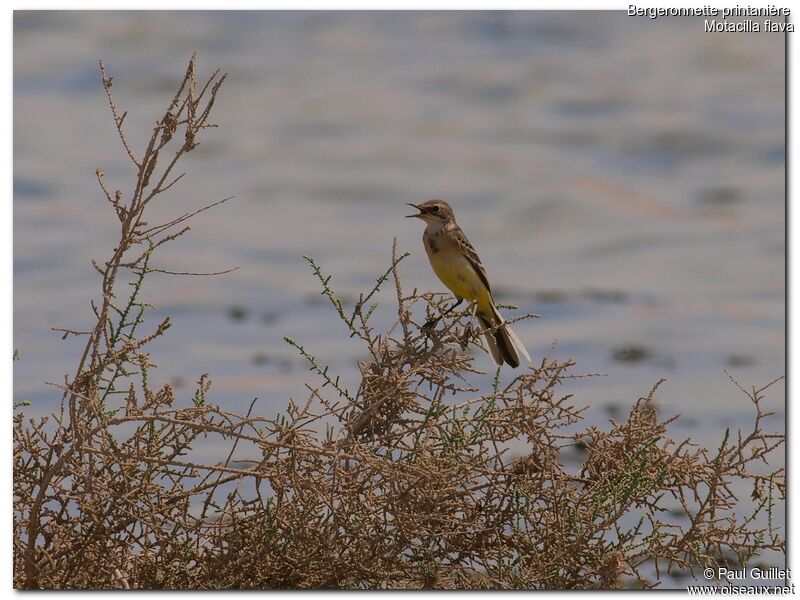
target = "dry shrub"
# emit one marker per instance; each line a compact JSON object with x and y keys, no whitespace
{"x":415,"y":479}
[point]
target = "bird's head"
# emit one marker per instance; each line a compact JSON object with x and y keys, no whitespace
{"x":433,"y":211}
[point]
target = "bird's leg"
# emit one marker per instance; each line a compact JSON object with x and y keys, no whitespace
{"x":449,"y":310}
{"x":432,"y":322}
{"x":468,"y":328}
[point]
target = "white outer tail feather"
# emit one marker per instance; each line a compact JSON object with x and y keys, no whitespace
{"x":502,"y":328}
{"x":518,"y":345}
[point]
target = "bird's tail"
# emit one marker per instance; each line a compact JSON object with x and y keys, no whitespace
{"x":503,"y":343}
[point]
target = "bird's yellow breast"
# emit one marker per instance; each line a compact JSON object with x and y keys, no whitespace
{"x":455,"y":270}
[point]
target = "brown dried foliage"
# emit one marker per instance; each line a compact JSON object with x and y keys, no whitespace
{"x":415,"y":479}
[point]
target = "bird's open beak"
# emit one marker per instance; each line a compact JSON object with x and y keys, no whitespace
{"x":419,"y":214}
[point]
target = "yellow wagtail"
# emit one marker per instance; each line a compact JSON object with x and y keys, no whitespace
{"x":456,"y":263}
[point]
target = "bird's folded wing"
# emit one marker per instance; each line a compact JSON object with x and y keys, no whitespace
{"x":472,"y":256}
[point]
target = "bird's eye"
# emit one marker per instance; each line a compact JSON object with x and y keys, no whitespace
{"x":435,"y":209}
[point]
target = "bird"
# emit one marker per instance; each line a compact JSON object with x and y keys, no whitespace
{"x":457,"y":265}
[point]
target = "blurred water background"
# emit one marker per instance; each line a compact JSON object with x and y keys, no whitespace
{"x":621,"y":177}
